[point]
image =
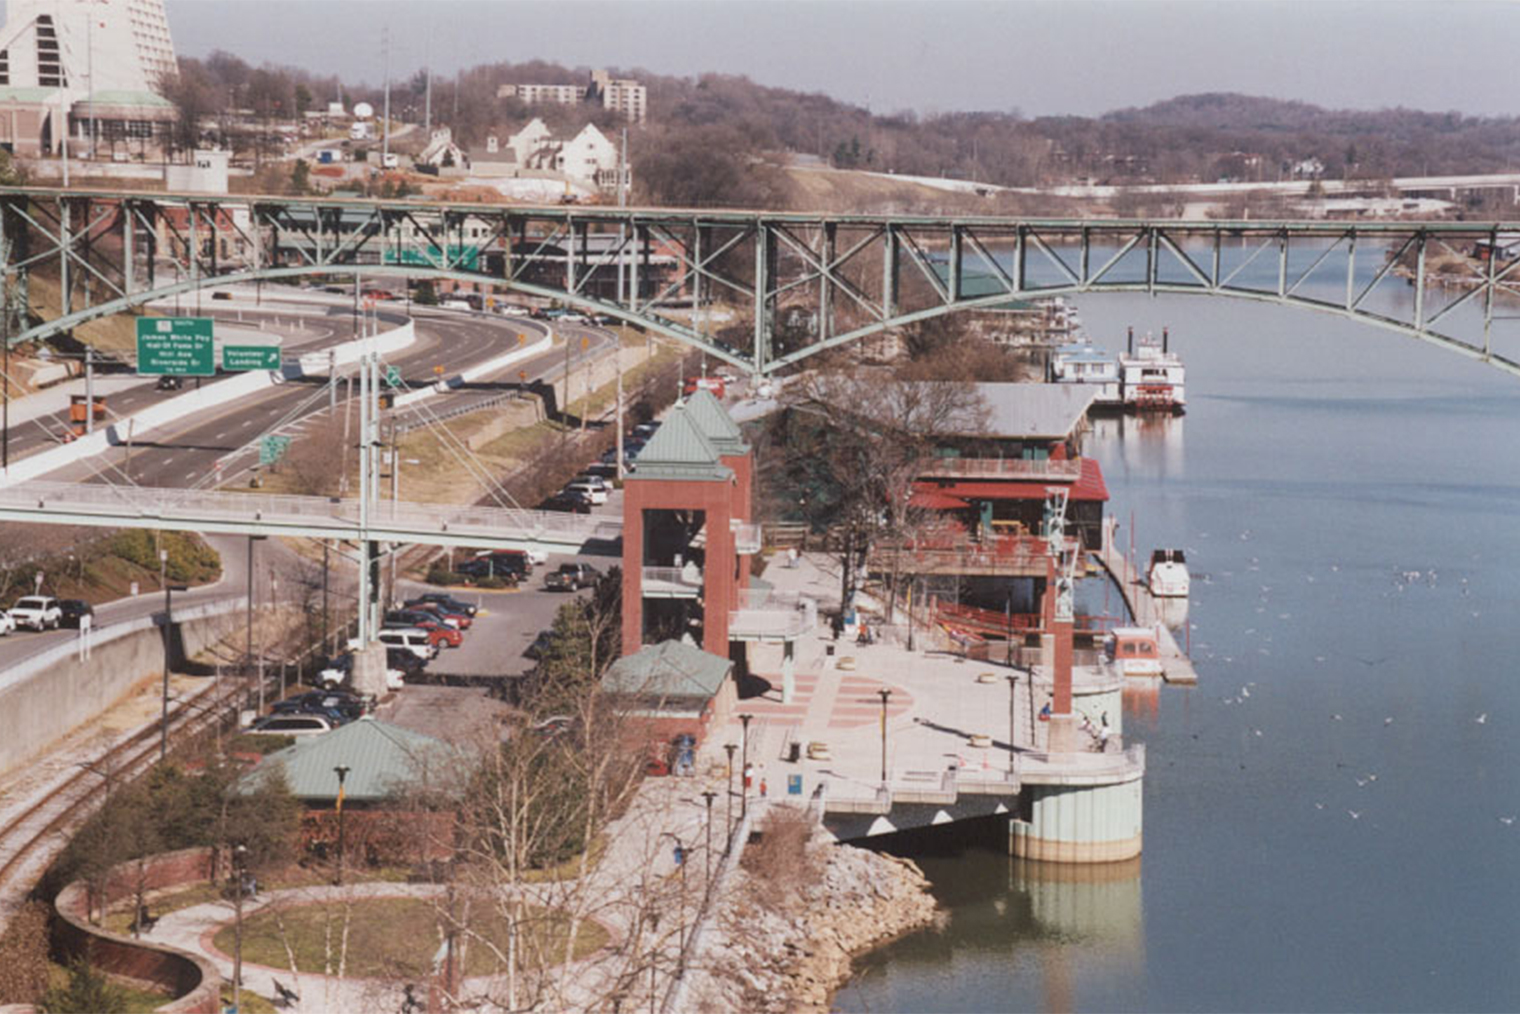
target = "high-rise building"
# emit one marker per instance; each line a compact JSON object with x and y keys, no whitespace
{"x":624,"y":95}
{"x":98,"y":65}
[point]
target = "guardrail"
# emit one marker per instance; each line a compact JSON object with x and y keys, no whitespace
{"x":146,"y":506}
{"x":1005,"y":468}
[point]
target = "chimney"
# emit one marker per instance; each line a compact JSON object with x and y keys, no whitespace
{"x":1164,"y":340}
{"x":1132,"y":340}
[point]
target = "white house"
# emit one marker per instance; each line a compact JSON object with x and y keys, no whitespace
{"x":441,"y":151}
{"x":591,"y":157}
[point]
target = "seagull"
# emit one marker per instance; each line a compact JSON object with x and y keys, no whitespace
{"x":1354,"y":815}
{"x":1371,"y":777}
{"x":1335,"y":718}
{"x":1482,"y":719}
{"x":1506,"y":820}
{"x":1388,"y":720}
{"x":1319,"y":806}
{"x":1256,"y":731}
{"x":1245,"y":692}
{"x":1361,"y":782}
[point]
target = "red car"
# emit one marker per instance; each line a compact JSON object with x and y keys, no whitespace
{"x":458,"y":621}
{"x":438,"y":631}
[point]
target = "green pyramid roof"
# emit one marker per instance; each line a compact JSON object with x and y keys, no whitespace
{"x":381,"y":758}
{"x":669,"y":670}
{"x":716,"y":424}
{"x":680,"y":449}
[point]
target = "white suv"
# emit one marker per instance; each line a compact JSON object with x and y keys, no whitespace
{"x":36,"y":612}
{"x":592,"y":489}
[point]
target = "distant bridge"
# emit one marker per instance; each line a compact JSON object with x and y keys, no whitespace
{"x":801,"y":283}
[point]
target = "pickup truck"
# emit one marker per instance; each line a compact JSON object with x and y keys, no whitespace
{"x":37,"y":612}
{"x":572,"y":577}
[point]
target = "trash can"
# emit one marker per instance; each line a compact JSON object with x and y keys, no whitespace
{"x":794,"y":752}
{"x":828,"y":649}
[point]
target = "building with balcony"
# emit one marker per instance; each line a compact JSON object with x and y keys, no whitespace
{"x":622,"y":95}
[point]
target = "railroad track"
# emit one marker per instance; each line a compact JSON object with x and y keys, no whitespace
{"x":36,"y":835}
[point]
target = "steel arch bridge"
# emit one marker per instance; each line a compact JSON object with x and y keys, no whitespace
{"x":792,"y":284}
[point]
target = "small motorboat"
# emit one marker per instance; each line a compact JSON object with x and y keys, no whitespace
{"x":1168,"y":577}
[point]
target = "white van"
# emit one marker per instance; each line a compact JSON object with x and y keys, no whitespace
{"x":413,"y":639}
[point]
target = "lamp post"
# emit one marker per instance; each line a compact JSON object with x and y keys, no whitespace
{"x":1013,"y":696}
{"x":884,"y":694}
{"x":709,"y":796}
{"x":248,"y":643}
{"x":341,"y":770}
{"x":744,"y":764}
{"x":239,"y":875}
{"x":728,"y":823}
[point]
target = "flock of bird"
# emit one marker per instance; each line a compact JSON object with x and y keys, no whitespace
{"x":1403,"y":581}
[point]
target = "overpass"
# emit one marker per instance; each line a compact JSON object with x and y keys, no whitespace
{"x":802,"y":283}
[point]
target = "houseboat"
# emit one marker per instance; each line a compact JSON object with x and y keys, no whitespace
{"x":1151,"y":375}
{"x":1135,"y":651}
{"x":1083,"y":362}
{"x":1168,"y":577}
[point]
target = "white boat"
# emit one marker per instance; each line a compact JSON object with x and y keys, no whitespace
{"x":1135,"y":651}
{"x":1151,"y":376}
{"x":1168,"y":576}
{"x":1083,"y":362}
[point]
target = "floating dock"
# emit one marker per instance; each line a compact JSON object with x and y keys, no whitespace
{"x":1176,"y":667}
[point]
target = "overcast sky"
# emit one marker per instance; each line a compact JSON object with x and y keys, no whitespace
{"x":1038,"y":56}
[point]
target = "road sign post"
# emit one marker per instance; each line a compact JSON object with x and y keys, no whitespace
{"x":176,"y":346}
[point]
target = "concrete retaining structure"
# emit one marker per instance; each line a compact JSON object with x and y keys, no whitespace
{"x":1080,"y":823}
{"x":191,"y":979}
{"x":477,"y":371}
{"x":49,"y":694}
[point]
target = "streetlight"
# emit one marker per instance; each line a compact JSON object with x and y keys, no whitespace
{"x":709,"y":795}
{"x":240,"y":875}
{"x":1013,"y":696}
{"x":744,"y":785}
{"x":728,"y":824}
{"x":248,"y":644}
{"x":884,"y":693}
{"x":341,"y":770}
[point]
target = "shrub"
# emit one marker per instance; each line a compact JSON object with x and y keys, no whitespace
{"x":24,"y":956}
{"x":493,"y":582}
{"x":439,"y":573}
{"x":87,"y":990}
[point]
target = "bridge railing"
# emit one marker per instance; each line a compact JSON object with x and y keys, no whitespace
{"x":314,"y":511}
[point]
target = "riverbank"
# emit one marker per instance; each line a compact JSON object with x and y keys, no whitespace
{"x":786,"y":934}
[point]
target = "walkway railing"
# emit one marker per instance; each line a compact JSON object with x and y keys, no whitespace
{"x":1006,"y":468}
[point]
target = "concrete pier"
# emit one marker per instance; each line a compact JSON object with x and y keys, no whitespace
{"x":1146,"y":610}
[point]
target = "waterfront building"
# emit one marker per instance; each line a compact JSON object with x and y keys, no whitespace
{"x":91,"y":70}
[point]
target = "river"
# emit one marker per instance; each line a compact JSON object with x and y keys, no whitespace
{"x":1328,"y":813}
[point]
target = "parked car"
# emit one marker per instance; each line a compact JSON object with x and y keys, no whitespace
{"x":169,"y":382}
{"x":564,"y":500}
{"x":592,"y":489}
{"x":73,"y":612}
{"x":36,"y":612}
{"x":643,"y":431}
{"x":486,"y":566}
{"x":339,"y":669}
{"x":456,"y":618}
{"x":572,"y":577}
{"x":713,"y":384}
{"x":405,"y":661}
{"x":437,"y":632}
{"x":512,"y":310}
{"x":292,"y":725}
{"x":539,"y":647}
{"x":449,"y":602}
{"x":337,"y":707}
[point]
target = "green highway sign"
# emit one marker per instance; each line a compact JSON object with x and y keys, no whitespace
{"x":177,"y":346}
{"x":392,"y":376}
{"x":250,"y":357}
{"x":272,"y":449}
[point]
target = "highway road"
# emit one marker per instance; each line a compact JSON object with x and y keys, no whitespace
{"x":186,"y":453}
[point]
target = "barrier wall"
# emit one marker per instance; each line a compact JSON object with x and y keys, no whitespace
{"x":49,"y":694}
{"x":477,"y":371}
{"x":190,"y":978}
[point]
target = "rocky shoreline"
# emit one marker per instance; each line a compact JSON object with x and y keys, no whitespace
{"x":777,"y":946}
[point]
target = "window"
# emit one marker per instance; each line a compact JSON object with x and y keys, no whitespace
{"x":49,"y":65}
{"x":5,"y":66}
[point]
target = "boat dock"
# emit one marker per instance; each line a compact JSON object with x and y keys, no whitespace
{"x":1176,"y":667}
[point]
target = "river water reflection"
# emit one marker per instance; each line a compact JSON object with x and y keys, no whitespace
{"x":1326,"y":813}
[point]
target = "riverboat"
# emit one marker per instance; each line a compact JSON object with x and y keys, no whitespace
{"x":1151,"y":376}
{"x":1168,"y":576}
{"x":1083,"y":362}
{"x":1135,"y":651}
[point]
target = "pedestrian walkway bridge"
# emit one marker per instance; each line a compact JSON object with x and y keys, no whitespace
{"x":312,"y":517}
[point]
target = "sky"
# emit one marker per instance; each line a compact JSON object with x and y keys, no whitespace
{"x":1040,"y":57}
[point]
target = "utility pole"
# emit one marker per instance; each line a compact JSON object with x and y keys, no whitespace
{"x":89,"y":389}
{"x":427,"y":120}
{"x":385,"y":146}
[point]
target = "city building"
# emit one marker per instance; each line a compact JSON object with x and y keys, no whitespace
{"x":93,"y":70}
{"x":623,"y":95}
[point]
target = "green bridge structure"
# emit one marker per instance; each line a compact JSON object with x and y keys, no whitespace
{"x":796,"y":284}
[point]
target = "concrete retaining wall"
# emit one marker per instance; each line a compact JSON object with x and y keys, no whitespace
{"x":49,"y":694}
{"x":477,"y":371}
{"x":190,"y":978}
{"x":1081,"y":824}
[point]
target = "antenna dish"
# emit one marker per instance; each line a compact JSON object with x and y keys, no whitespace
{"x":364,"y":111}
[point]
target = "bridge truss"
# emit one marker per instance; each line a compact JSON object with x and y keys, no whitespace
{"x":761,"y":290}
